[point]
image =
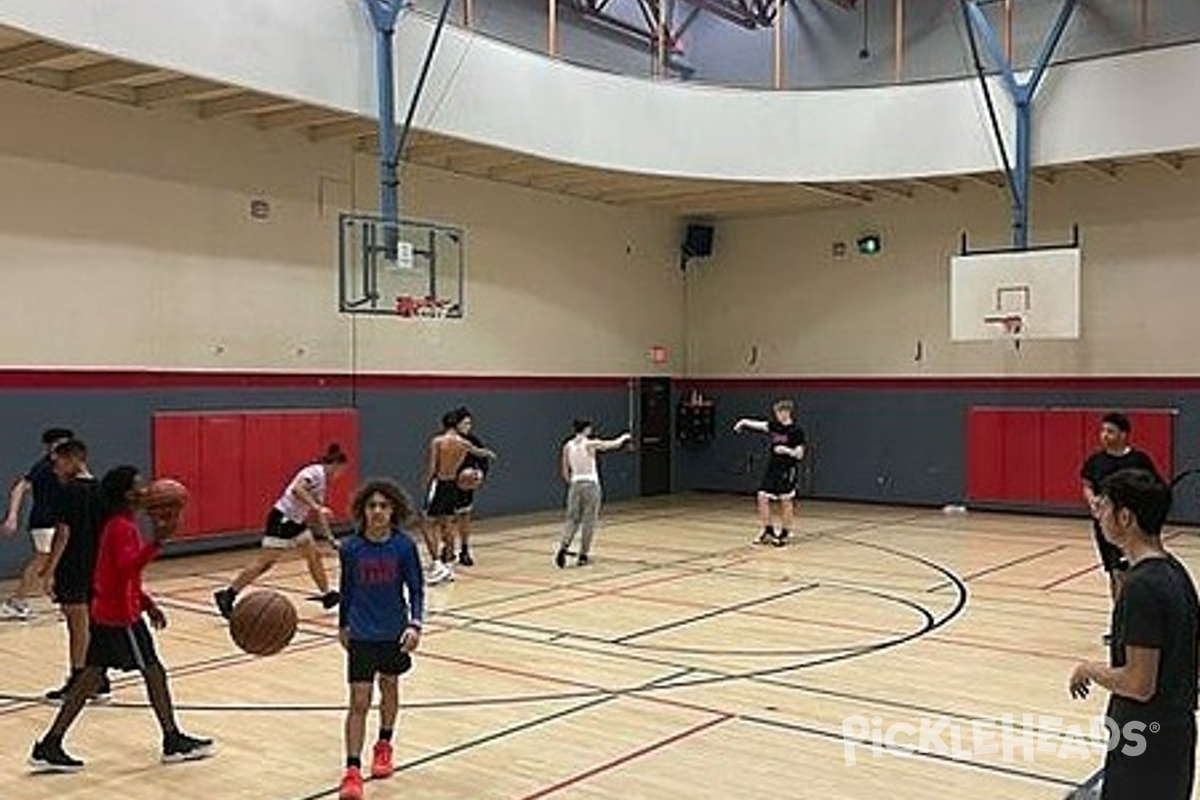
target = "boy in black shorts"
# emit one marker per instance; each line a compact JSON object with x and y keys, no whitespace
{"x":1115,"y":454}
{"x":779,"y":482}
{"x":119,"y":637}
{"x":78,"y":517}
{"x":383,"y":602}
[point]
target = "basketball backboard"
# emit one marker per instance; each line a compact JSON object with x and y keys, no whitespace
{"x":406,"y":268}
{"x":1028,"y":294}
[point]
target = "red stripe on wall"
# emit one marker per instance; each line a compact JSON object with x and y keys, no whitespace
{"x":979,"y":383}
{"x":29,"y":379}
{"x":32,"y":379}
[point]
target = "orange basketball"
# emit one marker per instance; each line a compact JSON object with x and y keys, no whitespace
{"x":263,"y":623}
{"x":470,"y":479}
{"x":165,"y":493}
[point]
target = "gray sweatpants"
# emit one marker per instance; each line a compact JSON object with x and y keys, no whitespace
{"x":583,"y":506}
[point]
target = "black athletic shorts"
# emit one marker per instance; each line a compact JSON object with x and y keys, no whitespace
{"x":780,"y":482}
{"x":1110,"y":555}
{"x":280,"y":527}
{"x":368,"y":659}
{"x":1165,"y":770}
{"x":72,"y":584}
{"x":443,"y":499}
{"x":126,"y":649}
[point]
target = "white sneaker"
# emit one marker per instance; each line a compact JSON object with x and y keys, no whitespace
{"x":438,"y":573}
{"x":15,"y":609}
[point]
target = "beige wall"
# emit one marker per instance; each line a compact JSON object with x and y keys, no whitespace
{"x":125,"y":240}
{"x":774,"y":285}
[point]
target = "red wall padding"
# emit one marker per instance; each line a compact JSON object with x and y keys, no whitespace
{"x":1032,"y":456}
{"x":236,"y":463}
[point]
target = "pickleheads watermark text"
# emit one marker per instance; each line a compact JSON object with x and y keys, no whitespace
{"x":1013,"y":739}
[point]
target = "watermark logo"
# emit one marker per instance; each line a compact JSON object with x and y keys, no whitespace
{"x":1012,"y":739}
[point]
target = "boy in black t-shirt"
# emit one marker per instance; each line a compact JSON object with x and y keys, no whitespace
{"x":787,"y":443}
{"x":78,"y":519}
{"x":1115,"y":455}
{"x":1153,"y":658}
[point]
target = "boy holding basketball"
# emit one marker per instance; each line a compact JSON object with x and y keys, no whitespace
{"x":119,"y":637}
{"x":383,"y":605}
{"x":787,"y":443}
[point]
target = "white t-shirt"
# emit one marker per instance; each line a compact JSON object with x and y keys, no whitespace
{"x":581,"y":460}
{"x":311,"y":478}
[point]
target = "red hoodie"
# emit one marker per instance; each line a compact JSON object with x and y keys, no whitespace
{"x":118,"y":599}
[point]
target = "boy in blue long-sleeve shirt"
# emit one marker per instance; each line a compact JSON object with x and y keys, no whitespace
{"x":383,"y":604}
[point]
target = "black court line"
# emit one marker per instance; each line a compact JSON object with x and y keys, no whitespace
{"x":503,"y":733}
{"x":1070,"y":576}
{"x":1002,"y":566}
{"x":945,"y":758}
{"x":666,"y":626}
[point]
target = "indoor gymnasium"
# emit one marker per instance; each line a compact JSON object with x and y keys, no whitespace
{"x":647,"y":399}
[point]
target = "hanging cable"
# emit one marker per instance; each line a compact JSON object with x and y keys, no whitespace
{"x":987,"y":97}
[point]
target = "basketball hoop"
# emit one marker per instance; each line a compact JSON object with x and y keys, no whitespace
{"x":1013,"y":326}
{"x":428,"y":312}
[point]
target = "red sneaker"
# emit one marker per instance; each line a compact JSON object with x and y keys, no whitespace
{"x":381,"y":764}
{"x":352,"y":785}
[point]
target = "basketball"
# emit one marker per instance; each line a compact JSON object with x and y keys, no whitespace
{"x":263,"y":623}
{"x":470,"y":479}
{"x":165,"y":493}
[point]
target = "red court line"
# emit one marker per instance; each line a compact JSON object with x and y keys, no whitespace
{"x":520,"y":673}
{"x":633,"y":755}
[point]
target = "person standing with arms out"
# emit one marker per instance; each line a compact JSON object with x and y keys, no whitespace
{"x":119,"y":636}
{"x":787,"y":442}
{"x":288,"y":528}
{"x":379,"y":625}
{"x":79,"y":518}
{"x":1151,"y":673}
{"x":582,"y":476}
{"x":41,"y":484}
{"x":1115,"y":454}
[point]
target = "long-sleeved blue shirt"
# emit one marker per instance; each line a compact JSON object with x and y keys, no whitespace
{"x":383,"y":589}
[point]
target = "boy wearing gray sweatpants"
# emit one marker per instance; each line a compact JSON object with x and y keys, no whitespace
{"x":580,"y":473}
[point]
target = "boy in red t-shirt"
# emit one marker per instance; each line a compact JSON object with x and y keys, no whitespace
{"x":119,"y":637}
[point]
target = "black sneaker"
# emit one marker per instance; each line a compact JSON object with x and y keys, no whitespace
{"x":465,"y":559}
{"x":767,"y":536}
{"x":181,"y":747}
{"x":560,"y":559}
{"x":584,"y":561}
{"x":330,"y":600}
{"x":60,"y":694}
{"x":224,"y":600}
{"x":50,"y":757}
{"x":447,"y":555}
{"x":781,"y":538}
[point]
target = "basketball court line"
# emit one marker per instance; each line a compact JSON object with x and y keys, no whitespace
{"x":620,"y":761}
{"x":712,"y":613}
{"x":1025,"y":559}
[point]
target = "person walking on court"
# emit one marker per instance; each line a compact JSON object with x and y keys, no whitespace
{"x":477,"y":465}
{"x":582,"y":476}
{"x":79,"y":518}
{"x":787,"y":443}
{"x":119,"y":636}
{"x":448,"y":451}
{"x":1115,"y":454}
{"x":1151,"y":674}
{"x":290,"y":526}
{"x":40,"y":483}
{"x":379,"y":624}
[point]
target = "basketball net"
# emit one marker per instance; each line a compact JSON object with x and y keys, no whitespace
{"x":1013,"y":327}
{"x":429,"y":313}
